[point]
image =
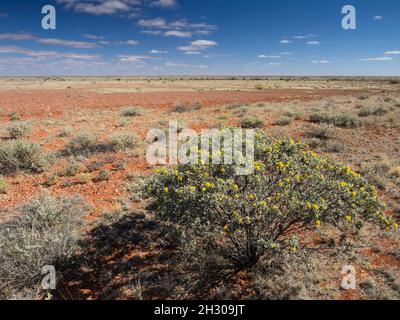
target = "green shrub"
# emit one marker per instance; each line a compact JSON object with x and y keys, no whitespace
{"x":84,"y":144}
{"x":345,"y":121}
{"x":42,"y":232}
{"x":51,"y":180}
{"x":323,"y":132}
{"x":22,"y":155}
{"x":338,"y":120}
{"x":3,"y":186}
{"x":180,"y":107}
{"x":284,"y":121}
{"x":18,"y":131}
{"x":243,"y":218}
{"x":14,"y":116}
{"x":103,"y":176}
{"x":366,"y":112}
{"x":319,"y":117}
{"x":251,"y":122}
{"x":71,"y":170}
{"x":85,"y":178}
{"x":123,"y":141}
{"x":334,"y":147}
{"x":133,"y":112}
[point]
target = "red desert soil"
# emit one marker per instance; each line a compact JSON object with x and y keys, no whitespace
{"x":53,"y":103}
{"x":39,"y":103}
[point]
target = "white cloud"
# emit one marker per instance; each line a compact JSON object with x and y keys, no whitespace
{"x":81,"y":56}
{"x":178,"y":24}
{"x":181,"y":28}
{"x":46,"y":54}
{"x":377,"y":18}
{"x":158,"y":52}
{"x":285,"y":41}
{"x":285,"y":53}
{"x":313,"y":43}
{"x":263,"y":56}
{"x":164,"y":3}
{"x":184,"y":65}
{"x":377,"y":59}
{"x":102,"y":7}
{"x":198,"y":45}
{"x":128,"y":42}
{"x":321,"y":61}
{"x":68,"y":43}
{"x":305,"y":36}
{"x":93,"y":37}
{"x":152,"y":23}
{"x":151,"y":32}
{"x":17,"y":36}
{"x":177,"y":33}
{"x":28,"y":52}
{"x":133,"y":58}
{"x":392,"y":52}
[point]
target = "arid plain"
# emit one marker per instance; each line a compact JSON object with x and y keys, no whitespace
{"x":125,"y":252}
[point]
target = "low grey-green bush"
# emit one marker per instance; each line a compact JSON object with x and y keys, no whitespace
{"x":16,"y":155}
{"x":133,"y":112}
{"x":284,"y":121}
{"x":84,"y":144}
{"x":42,"y":232}
{"x":123,"y":141}
{"x":323,"y":132}
{"x":251,"y":122}
{"x":18,"y":131}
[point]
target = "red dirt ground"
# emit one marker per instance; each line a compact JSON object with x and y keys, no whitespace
{"x":39,"y":103}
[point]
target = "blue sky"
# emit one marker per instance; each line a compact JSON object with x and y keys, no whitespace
{"x":199,"y":37}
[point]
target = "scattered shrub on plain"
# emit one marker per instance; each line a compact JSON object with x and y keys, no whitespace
{"x":16,"y":155}
{"x":42,"y":232}
{"x":3,"y":186}
{"x":133,"y":112}
{"x":244,"y":218}
{"x":323,"y":132}
{"x":18,"y":131}
{"x":84,"y":144}
{"x":124,"y":141}
{"x":251,"y":122}
{"x":284,"y":121}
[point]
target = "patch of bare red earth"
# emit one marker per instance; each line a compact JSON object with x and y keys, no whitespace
{"x":39,"y":103}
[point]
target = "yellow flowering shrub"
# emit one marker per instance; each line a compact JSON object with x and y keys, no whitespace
{"x":246,"y":217}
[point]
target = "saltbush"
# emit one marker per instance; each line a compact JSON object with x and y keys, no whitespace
{"x":84,"y":144}
{"x":43,"y":232}
{"x":251,"y":122}
{"x":18,"y":131}
{"x":243,"y":218}
{"x":16,"y":155}
{"x":123,"y":141}
{"x":3,"y":186}
{"x":132,"y":112}
{"x":338,"y":120}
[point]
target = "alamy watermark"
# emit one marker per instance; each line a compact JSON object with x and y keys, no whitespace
{"x":49,"y":20}
{"x":349,"y":278}
{"x":210,"y":146}
{"x":349,"y":21}
{"x":49,"y":280}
